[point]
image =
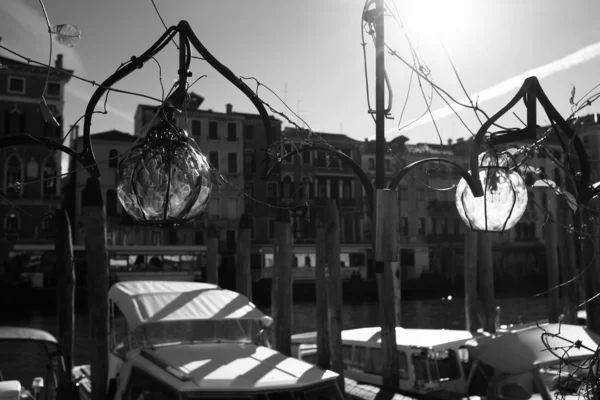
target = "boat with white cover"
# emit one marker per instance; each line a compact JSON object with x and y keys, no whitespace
{"x":33,"y":355}
{"x":519,"y":365}
{"x":192,"y":340}
{"x":431,"y":361}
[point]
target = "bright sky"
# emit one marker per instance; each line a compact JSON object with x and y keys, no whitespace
{"x":309,"y":53}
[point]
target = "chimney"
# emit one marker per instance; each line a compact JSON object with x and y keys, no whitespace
{"x":229,"y":108}
{"x":459,"y":140}
{"x":449,"y":142}
{"x":59,"y":61}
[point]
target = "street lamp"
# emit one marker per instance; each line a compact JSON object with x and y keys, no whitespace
{"x":504,"y":199}
{"x":165,"y":179}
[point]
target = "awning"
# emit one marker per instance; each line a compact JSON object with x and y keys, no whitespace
{"x":22,"y":333}
{"x":143,"y":302}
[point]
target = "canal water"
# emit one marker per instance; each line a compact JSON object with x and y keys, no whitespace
{"x":431,"y":313}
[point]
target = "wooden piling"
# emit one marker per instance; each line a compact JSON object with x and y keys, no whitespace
{"x":395,"y":268}
{"x":243,"y":278}
{"x":212,"y":253}
{"x":94,"y":219}
{"x":65,"y":277}
{"x":568,"y":263}
{"x":386,"y":251}
{"x":334,"y":284}
{"x":281,"y":295}
{"x":470,"y":279}
{"x":486,"y":280}
{"x":592,"y":273}
{"x":322,"y":311}
{"x":552,"y":258}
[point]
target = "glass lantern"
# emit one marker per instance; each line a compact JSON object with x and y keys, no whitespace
{"x":165,"y":179}
{"x":504,"y":199}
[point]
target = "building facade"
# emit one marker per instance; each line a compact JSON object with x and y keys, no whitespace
{"x":31,"y":183}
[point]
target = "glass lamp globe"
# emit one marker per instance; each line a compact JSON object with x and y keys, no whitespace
{"x":165,"y":179}
{"x":504,"y":199}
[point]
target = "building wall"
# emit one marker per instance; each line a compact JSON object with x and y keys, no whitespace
{"x":30,"y":175}
{"x":311,"y":178}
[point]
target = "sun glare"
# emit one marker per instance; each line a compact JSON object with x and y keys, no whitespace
{"x":433,"y":19}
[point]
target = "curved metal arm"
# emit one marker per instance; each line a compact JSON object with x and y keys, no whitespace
{"x":362,"y":176}
{"x":531,"y":91}
{"x":473,"y":183}
{"x":185,"y":28}
{"x":88,"y":152}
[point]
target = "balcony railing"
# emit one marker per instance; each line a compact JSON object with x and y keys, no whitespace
{"x":441,"y":206}
{"x":444,"y":238}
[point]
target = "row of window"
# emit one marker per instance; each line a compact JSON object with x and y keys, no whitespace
{"x":18,"y":85}
{"x":213,"y":159}
{"x":16,"y":121}
{"x":196,"y":128}
{"x":15,"y":173}
{"x":12,"y":227}
{"x":320,"y":158}
{"x":437,"y":226}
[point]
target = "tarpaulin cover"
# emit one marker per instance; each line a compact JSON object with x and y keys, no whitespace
{"x":143,"y":302}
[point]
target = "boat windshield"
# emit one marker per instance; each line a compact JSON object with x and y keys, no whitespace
{"x":436,"y":365}
{"x":326,"y":391}
{"x":24,"y":360}
{"x":195,"y":331}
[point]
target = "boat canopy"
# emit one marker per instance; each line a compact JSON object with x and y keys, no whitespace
{"x":522,"y":351}
{"x":143,"y":302}
{"x":371,"y":337}
{"x":22,"y":333}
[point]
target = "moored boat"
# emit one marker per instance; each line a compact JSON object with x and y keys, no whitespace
{"x":431,"y":361}
{"x":539,"y":362}
{"x":189,"y":340}
{"x":33,"y":355}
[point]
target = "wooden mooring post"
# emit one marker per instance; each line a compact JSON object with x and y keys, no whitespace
{"x":212,"y":255}
{"x":96,"y":255}
{"x":334,"y":284}
{"x":470,"y":279}
{"x":486,"y":280}
{"x":281,"y":286}
{"x":65,"y":276}
{"x":386,"y":251}
{"x":322,"y":323}
{"x":243,"y":278}
{"x":592,"y":272}
{"x":568,"y":263}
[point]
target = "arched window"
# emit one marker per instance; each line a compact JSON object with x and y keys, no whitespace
{"x":11,"y":225}
{"x":111,"y":203}
{"x":113,"y":158}
{"x":347,"y":189}
{"x":307,"y":187}
{"x":14,"y":176}
{"x":348,"y":228}
{"x":544,"y":201}
{"x":532,"y":230}
{"x":249,"y":161}
{"x":287,"y":187}
{"x":557,"y":177}
{"x":49,"y":174}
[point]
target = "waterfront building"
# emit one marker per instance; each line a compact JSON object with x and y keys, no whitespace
{"x":31,"y":183}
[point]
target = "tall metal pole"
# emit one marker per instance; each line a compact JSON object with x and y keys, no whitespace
{"x":390,"y":375}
